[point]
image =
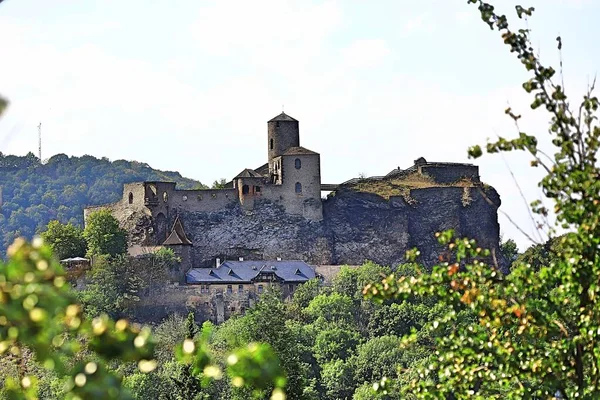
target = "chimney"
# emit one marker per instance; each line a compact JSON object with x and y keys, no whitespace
{"x":241,"y":258}
{"x":218,"y":263}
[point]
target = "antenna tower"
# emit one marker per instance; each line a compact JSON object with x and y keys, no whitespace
{"x":40,"y":142}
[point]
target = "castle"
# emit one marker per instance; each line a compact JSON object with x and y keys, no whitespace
{"x":276,"y":212}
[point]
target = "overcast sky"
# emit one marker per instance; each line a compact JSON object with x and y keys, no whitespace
{"x":188,"y":85}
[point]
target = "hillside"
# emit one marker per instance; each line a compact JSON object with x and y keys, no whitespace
{"x":33,"y":194}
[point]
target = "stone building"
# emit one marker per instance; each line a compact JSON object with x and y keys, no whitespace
{"x":234,"y":286}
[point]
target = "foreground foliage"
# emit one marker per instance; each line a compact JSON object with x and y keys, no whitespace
{"x":50,"y":349}
{"x":537,"y":330}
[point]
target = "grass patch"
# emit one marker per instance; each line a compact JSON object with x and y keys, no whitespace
{"x":401,"y":186}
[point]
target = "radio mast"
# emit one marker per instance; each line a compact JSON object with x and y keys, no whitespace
{"x":40,"y":142}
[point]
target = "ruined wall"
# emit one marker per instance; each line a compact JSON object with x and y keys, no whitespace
{"x":206,"y":200}
{"x":215,"y":304}
{"x":445,"y":173}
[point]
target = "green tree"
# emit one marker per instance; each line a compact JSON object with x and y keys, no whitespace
{"x":187,"y":384}
{"x":338,"y":381}
{"x":509,"y":251}
{"x":103,"y":234}
{"x":220,"y":184}
{"x":537,"y":331}
{"x":65,"y":240}
{"x":114,"y":287}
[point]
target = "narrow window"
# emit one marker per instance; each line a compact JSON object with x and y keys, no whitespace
{"x":271,"y":144}
{"x":298,"y":187}
{"x":245,"y":189}
{"x":130,"y":198}
{"x":229,"y":289}
{"x":257,"y":189}
{"x":165,"y":197}
{"x":260,"y":288}
{"x":240,"y":289}
{"x":291,"y":288}
{"x":298,"y":163}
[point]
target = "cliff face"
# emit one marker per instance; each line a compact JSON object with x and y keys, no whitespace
{"x":357,"y":226}
{"x":366,"y":226}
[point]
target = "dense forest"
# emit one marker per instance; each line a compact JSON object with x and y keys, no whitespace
{"x":35,"y":193}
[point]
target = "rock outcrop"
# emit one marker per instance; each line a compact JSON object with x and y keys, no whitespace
{"x":356,"y":226}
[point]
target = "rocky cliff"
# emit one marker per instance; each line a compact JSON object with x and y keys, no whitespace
{"x":358,"y":225}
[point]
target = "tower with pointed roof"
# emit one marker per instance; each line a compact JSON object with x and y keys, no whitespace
{"x":283,"y":133}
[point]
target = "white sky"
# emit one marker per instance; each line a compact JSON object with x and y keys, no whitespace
{"x":189,"y":85}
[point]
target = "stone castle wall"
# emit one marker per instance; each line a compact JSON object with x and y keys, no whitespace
{"x":445,"y":173}
{"x":355,"y":227}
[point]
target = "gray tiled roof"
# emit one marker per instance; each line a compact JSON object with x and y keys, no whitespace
{"x":248,"y":173}
{"x":292,"y":151}
{"x":249,"y":271}
{"x":283,"y":117}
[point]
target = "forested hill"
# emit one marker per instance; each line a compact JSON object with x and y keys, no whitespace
{"x":34,"y":194}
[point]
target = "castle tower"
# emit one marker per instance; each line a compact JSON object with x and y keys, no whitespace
{"x":283,"y":134}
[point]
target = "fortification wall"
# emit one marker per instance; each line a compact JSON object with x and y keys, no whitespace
{"x":205,"y":200}
{"x":450,"y":173}
{"x":356,"y":227}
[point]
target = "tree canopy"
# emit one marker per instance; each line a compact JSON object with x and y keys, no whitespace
{"x":59,"y":189}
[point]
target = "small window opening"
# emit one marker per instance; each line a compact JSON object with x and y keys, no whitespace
{"x":184,"y":198}
{"x":245,"y":189}
{"x":130,"y":198}
{"x":214,"y":195}
{"x":298,"y":187}
{"x":257,"y":189}
{"x":271,"y":144}
{"x":260,"y":288}
{"x":229,"y":289}
{"x":165,"y":197}
{"x":298,"y":163}
{"x":240,"y":289}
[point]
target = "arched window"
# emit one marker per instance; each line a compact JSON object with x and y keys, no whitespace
{"x":245,"y":189}
{"x":130,"y":198}
{"x":271,"y":144}
{"x":298,"y":187}
{"x":298,"y":163}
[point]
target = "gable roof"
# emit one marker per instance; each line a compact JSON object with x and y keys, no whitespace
{"x":263,"y":169}
{"x":283,"y":117}
{"x":177,"y":235}
{"x":248,"y":173}
{"x":293,"y":151}
{"x":251,"y":271}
